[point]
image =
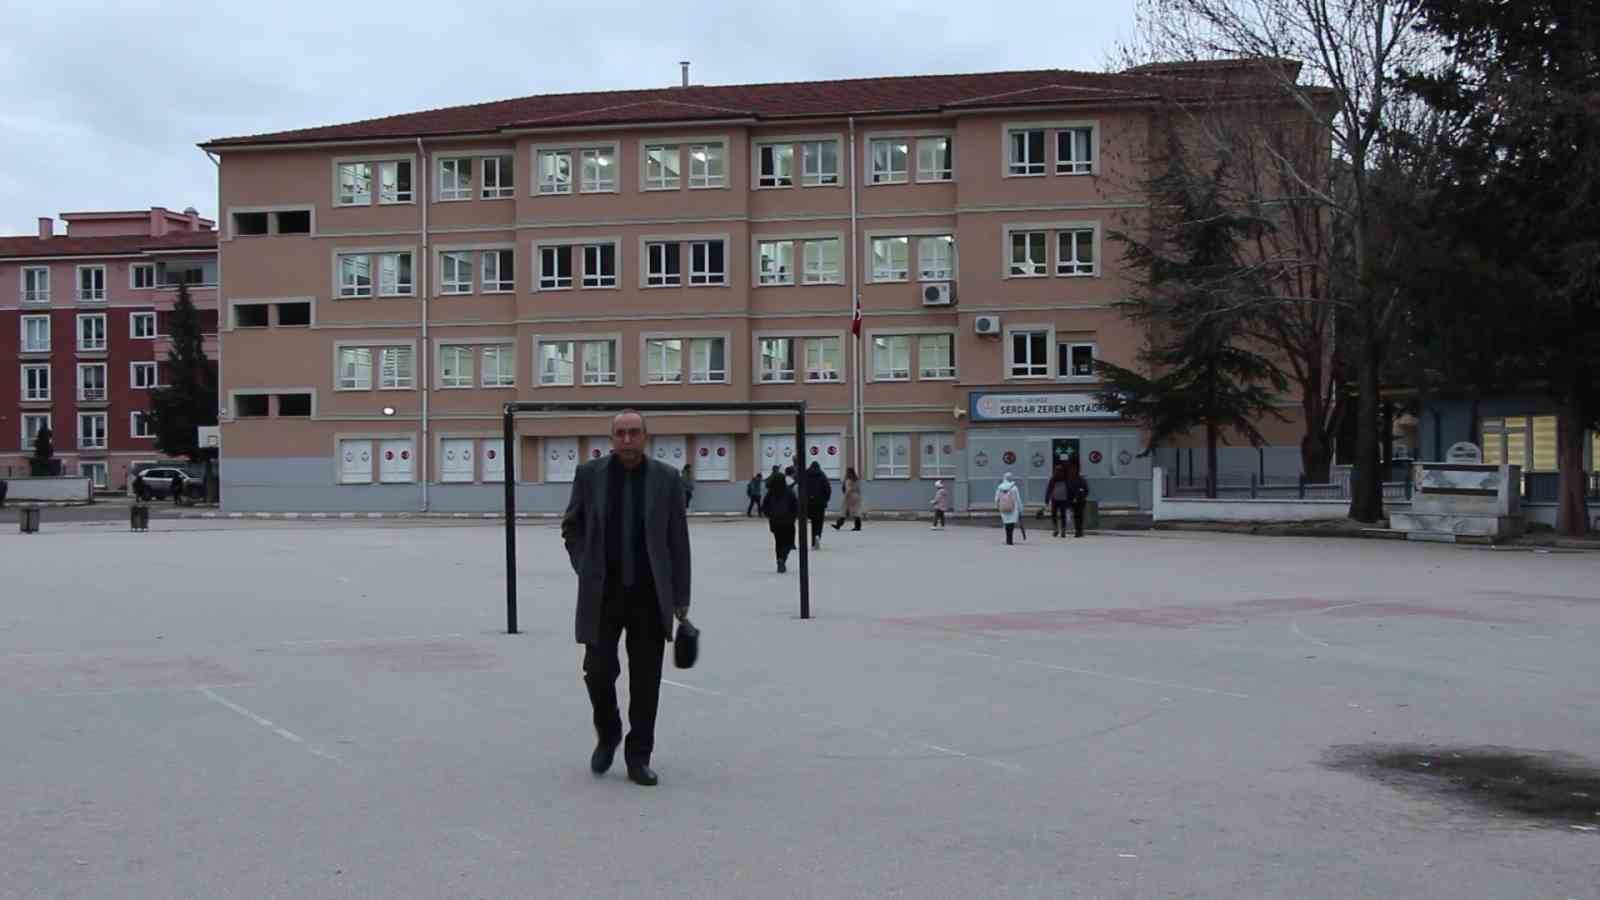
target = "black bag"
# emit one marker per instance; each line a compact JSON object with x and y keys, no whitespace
{"x":686,"y":645}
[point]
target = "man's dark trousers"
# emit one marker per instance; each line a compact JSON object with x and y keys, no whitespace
{"x":634,"y":612}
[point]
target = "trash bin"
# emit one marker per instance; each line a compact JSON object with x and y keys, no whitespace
{"x":28,"y":516}
{"x":139,"y":517}
{"x":1091,"y":514}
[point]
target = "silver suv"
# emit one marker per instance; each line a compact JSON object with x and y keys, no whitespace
{"x":164,"y":481}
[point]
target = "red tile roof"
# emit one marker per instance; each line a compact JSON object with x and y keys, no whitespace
{"x":805,"y":99}
{"x":107,"y":245}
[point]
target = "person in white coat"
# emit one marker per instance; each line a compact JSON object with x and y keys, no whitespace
{"x":1008,"y":499}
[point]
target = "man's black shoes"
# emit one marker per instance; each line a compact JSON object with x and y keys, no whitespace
{"x":643,"y":775}
{"x":600,"y":762}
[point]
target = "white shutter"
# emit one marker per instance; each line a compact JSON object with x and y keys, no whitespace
{"x":776,"y":450}
{"x":396,"y":461}
{"x":713,"y":458}
{"x":455,"y":460}
{"x":598,"y":447}
{"x":355,"y":462}
{"x":670,"y":449}
{"x":560,"y":459}
{"x":827,"y":450}
{"x":493,"y":452}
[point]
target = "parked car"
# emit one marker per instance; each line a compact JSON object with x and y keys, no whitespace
{"x":163,"y":482}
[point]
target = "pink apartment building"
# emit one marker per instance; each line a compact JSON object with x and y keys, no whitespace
{"x":83,"y":318}
{"x":389,"y":284}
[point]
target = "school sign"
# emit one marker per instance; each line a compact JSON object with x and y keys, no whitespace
{"x":992,"y":407}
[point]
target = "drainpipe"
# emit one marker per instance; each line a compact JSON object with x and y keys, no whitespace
{"x":214,"y":479}
{"x":424,"y":356}
{"x":857,"y":393}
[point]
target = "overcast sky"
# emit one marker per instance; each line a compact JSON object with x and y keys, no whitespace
{"x":104,"y":103}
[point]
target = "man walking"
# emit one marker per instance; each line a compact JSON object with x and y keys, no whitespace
{"x":628,"y":538}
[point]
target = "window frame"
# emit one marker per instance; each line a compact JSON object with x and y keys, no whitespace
{"x":136,"y":418}
{"x":876,"y":176}
{"x":353,"y":289}
{"x":614,"y":375}
{"x":939,"y":175}
{"x":776,"y":180}
{"x":598,"y":186}
{"x":1061,"y":264}
{"x":401,"y":197}
{"x":87,"y":442}
{"x":598,"y":279}
{"x":105,"y":383}
{"x":648,"y":245}
{"x":25,"y":417}
{"x":819,"y":340}
{"x":26,"y":390}
{"x":1026,"y":166}
{"x":22,"y":337}
{"x":94,"y":294}
{"x":649,"y":183}
{"x":135,"y":318}
{"x":355,"y":383}
{"x":41,"y":296}
{"x":892,"y":473}
{"x":943,"y":468}
{"x":1067,"y":347}
{"x":459,"y":170}
{"x":888,"y":373}
{"x":504,"y":166}
{"x":781,"y":278}
{"x":554,"y":187}
{"x":922,"y":367}
{"x":446,"y":381}
{"x":502,"y":350}
{"x":709,"y":375}
{"x":888,"y":273}
{"x":380,"y":361}
{"x":135,"y":269}
{"x":551,"y":279}
{"x":652,"y":375}
{"x":949,"y":274}
{"x":406,"y":288}
{"x":1010,"y":360}
{"x":138,"y":366}
{"x":355,"y":197}
{"x":808,"y":273}
{"x":573,"y":365}
{"x":104,"y":336}
{"x":702,"y":275}
{"x":706,"y":180}
{"x":761,"y":356}
{"x":819,"y":177}
{"x":1075,"y":166}
{"x":1042,"y":265}
{"x":464,"y":260}
{"x":504,"y":282}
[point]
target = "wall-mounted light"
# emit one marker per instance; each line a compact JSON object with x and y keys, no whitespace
{"x":388,"y":410}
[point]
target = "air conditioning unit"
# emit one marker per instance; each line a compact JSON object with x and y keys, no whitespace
{"x":938,"y":293}
{"x":986,"y":324}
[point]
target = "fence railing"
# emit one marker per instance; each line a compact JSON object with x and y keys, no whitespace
{"x":1257,"y":489}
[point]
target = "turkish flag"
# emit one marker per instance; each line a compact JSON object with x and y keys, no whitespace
{"x":855,"y":314}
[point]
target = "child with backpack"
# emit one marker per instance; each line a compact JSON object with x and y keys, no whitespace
{"x":941,"y":505}
{"x":1008,"y":500}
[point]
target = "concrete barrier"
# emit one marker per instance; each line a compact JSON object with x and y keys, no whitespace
{"x":49,"y":490}
{"x":1200,"y":509}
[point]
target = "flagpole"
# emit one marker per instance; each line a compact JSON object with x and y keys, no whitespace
{"x":856,"y":379}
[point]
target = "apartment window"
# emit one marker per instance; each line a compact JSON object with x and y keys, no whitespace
{"x":355,"y":275}
{"x":296,"y":314}
{"x":664,"y":268}
{"x":663,"y":361}
{"x":143,"y":375}
{"x":936,"y":355}
{"x":455,"y":367}
{"x":142,"y":325}
{"x":455,"y":179}
{"x":1075,"y":361}
{"x":823,"y":357}
{"x":708,"y":166}
{"x":1028,"y":254}
{"x":707,"y":263}
{"x":499,"y":367}
{"x":599,"y":170}
{"x":142,"y":425}
{"x":252,"y":406}
{"x":36,"y":285}
{"x":822,"y":261}
{"x":91,"y":431}
{"x":777,"y":360}
{"x":1030,"y":354}
{"x":35,"y":334}
{"x":890,"y":259}
{"x":32,"y":424}
{"x":397,"y":369}
{"x":600,"y":265}
{"x":355,"y":368}
{"x":776,"y":165}
{"x":142,"y":276}
{"x":708,"y":361}
{"x":394,"y":275}
{"x":355,"y":184}
{"x":776,"y":262}
{"x":298,"y":221}
{"x":661,"y":172}
{"x":891,"y":455}
{"x":91,"y":282}
{"x":1027,"y":152}
{"x":938,"y":454}
{"x":1075,"y":151}
{"x":394,"y":181}
{"x":35,"y":383}
{"x":891,"y":358}
{"x":189,"y":272}
{"x":599,"y":362}
{"x":499,"y":178}
{"x":252,"y":315}
{"x":555,"y":363}
{"x":555,"y":268}
{"x":936,"y":258}
{"x":92,"y":333}
{"x":819,"y":163}
{"x":499,"y":271}
{"x":455,"y":273}
{"x":92,"y":382}
{"x":934,"y":160}
{"x":889,"y":160}
{"x":555,"y":172}
{"x":1075,"y":252}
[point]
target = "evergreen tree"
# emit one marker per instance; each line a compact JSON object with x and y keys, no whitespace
{"x":190,"y":398}
{"x":44,"y":452}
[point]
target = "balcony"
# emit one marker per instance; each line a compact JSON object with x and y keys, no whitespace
{"x":91,"y":295}
{"x":36,"y":297}
{"x":92,"y":395}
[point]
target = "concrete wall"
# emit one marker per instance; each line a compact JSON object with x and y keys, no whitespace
{"x":49,"y":490}
{"x":1167,"y":509}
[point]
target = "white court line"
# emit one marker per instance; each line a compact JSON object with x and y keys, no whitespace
{"x":1294,"y":624}
{"x":371,"y":640}
{"x":1090,"y":673}
{"x":284,"y":733}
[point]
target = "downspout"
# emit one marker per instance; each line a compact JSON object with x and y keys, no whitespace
{"x":857,"y":392}
{"x":424,"y":458}
{"x":214,"y":468}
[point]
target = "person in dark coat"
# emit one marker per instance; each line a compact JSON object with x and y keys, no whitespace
{"x":782,"y":508}
{"x":818,"y":493}
{"x":1077,"y":495}
{"x":1058,"y":494}
{"x":753,"y":491}
{"x":688,"y":485}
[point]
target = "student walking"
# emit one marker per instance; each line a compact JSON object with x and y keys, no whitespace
{"x":1077,"y":496}
{"x":1059,"y":495}
{"x":941,"y":505}
{"x":753,"y":491}
{"x":1008,"y":500}
{"x":852,"y":501}
{"x":781,"y":508}
{"x":818,"y":493}
{"x":688,"y":484}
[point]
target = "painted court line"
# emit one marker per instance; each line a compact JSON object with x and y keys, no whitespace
{"x":1294,"y":624}
{"x":327,"y":642}
{"x":284,"y":733}
{"x":1090,"y":673}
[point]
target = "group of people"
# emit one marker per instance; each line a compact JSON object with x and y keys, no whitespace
{"x":1066,"y":490}
{"x":779,"y":502}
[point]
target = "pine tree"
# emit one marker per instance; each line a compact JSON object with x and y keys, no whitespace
{"x":190,"y":398}
{"x":44,"y":452}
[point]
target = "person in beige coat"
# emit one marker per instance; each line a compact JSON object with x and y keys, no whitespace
{"x":852,"y":501}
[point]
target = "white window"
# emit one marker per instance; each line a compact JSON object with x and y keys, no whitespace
{"x":355,"y":184}
{"x":890,"y":259}
{"x":96,"y":472}
{"x":891,"y":455}
{"x":499,"y":180}
{"x":92,"y":382}
{"x":1075,"y":361}
{"x":455,"y":179}
{"x":664,"y":267}
{"x":936,"y":258}
{"x":819,"y":163}
{"x":938,"y":454}
{"x":1030,"y":354}
{"x":599,"y":170}
{"x":555,"y":172}
{"x":561,"y":458}
{"x":92,"y":333}
{"x":776,"y":163}
{"x":142,"y":276}
{"x":91,"y":431}
{"x":91,"y":283}
{"x":143,"y":375}
{"x":141,"y":426}
{"x":1075,"y":151}
{"x":776,"y":263}
{"x":355,"y":368}
{"x":1028,"y":254}
{"x":455,"y":273}
{"x":708,"y":166}
{"x":661,"y":171}
{"x":822,"y":261}
{"x":555,"y":268}
{"x":35,"y":334}
{"x":600,"y":265}
{"x":355,"y":275}
{"x":397,"y":369}
{"x":707,"y":263}
{"x":891,"y":358}
{"x":1075,"y":252}
{"x":32,"y":424}
{"x":456,"y":458}
{"x":889,"y":160}
{"x":355,"y":461}
{"x":394,"y":275}
{"x":663,"y":361}
{"x":142,"y":325}
{"x":823,"y":356}
{"x":599,"y":362}
{"x":455,"y":367}
{"x":499,"y":271}
{"x":777,"y":360}
{"x":396,"y":461}
{"x":36,"y":284}
{"x":35,"y":383}
{"x":499,"y":367}
{"x":1027,"y":152}
{"x":936,"y":355}
{"x":708,"y":361}
{"x":394,"y":181}
{"x":934,"y":162}
{"x":555,"y":362}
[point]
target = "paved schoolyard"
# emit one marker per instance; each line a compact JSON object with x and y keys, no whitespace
{"x":298,"y":710}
